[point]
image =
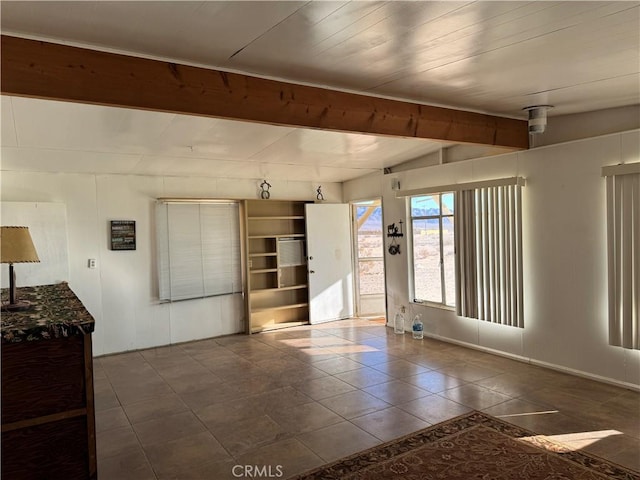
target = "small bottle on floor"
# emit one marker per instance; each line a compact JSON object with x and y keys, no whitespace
{"x":398,"y":323}
{"x":417,"y":327}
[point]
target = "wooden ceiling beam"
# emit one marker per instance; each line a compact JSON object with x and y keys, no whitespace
{"x":52,"y":71}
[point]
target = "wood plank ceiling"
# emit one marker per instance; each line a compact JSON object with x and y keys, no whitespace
{"x":491,"y":57}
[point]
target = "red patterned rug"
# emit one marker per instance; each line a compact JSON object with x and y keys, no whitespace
{"x":474,"y":446}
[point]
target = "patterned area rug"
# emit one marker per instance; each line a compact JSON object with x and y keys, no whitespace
{"x":474,"y":446}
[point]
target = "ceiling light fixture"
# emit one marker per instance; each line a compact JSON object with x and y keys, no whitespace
{"x":537,"y":118}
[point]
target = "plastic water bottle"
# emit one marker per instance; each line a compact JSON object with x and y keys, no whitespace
{"x":417,"y":327}
{"x":398,"y":324}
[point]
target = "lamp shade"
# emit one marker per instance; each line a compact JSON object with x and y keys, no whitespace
{"x":16,"y":245}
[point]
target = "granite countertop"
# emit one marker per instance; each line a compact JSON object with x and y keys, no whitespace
{"x":56,"y":312}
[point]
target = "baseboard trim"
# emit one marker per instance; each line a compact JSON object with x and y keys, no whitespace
{"x":538,"y":363}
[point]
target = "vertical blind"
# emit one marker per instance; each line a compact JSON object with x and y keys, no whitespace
{"x":198,"y":249}
{"x":488,"y":240}
{"x":623,"y":239}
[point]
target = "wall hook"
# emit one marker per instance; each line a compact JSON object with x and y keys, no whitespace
{"x":265,"y":186}
{"x":394,"y":232}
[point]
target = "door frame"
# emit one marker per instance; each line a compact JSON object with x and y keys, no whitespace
{"x":356,"y":267}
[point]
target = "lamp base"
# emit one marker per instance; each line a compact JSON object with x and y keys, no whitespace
{"x":16,"y":307}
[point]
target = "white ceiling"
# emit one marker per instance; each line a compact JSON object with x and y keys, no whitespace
{"x":494,"y":57}
{"x":42,"y":135}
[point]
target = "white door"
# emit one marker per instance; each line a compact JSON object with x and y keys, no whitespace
{"x":329,"y":262}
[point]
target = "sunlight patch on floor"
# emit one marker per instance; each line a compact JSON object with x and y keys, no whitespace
{"x":579,"y":440}
{"x":564,"y":442}
{"x":353,"y":349}
{"x":312,"y":351}
{"x":570,"y":442}
{"x":526,"y":414}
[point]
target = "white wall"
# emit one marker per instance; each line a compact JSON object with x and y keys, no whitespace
{"x":576,"y":126}
{"x":564,"y":243}
{"x":47,"y":223}
{"x":122,"y":292}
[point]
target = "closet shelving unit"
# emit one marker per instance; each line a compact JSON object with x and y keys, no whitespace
{"x":276,"y":264}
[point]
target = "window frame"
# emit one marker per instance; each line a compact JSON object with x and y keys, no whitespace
{"x":623,"y":260}
{"x":443,"y":294}
{"x":166,"y":213}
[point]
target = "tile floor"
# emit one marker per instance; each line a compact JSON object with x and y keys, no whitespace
{"x":295,"y":399}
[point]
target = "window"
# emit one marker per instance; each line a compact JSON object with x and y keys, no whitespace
{"x":489,"y":246}
{"x":432,"y":227}
{"x":198,"y":249}
{"x":623,"y":249}
{"x":478,"y":257}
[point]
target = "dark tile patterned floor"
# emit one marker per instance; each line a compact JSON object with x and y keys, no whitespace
{"x":290,"y":400}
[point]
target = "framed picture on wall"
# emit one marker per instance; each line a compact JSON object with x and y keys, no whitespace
{"x":123,"y":235}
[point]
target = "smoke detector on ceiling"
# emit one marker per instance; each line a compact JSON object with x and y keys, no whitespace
{"x":537,"y":118}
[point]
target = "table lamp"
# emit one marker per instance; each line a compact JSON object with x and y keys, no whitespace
{"x":16,"y":246}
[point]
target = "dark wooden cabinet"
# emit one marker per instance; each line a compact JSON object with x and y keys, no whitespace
{"x":48,"y":421}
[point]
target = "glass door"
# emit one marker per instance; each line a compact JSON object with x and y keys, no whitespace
{"x":369,"y":257}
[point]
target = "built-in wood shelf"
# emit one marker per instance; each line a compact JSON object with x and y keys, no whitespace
{"x":281,"y":289}
{"x":282,"y":235}
{"x":280,"y":307}
{"x":276,"y":249}
{"x":281,"y":217}
{"x":276,"y":326}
